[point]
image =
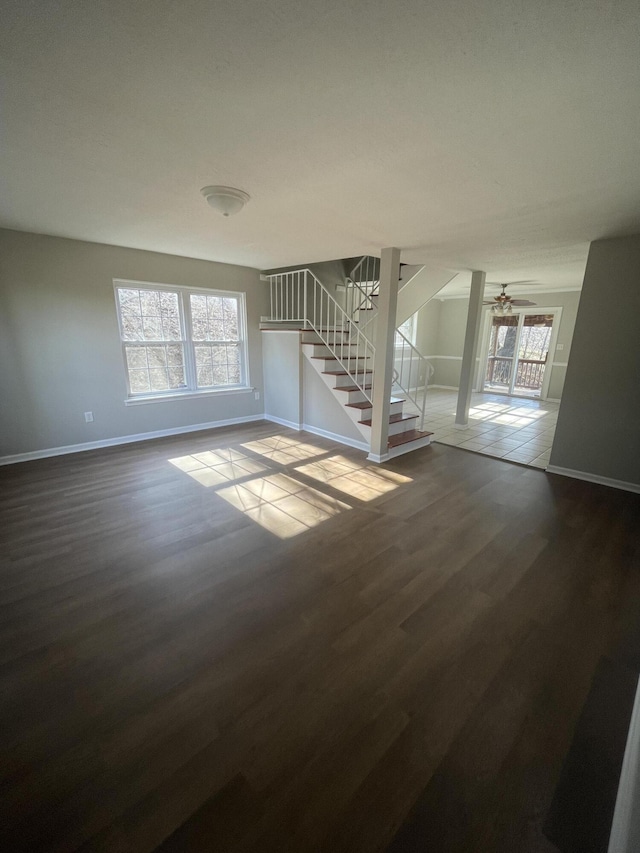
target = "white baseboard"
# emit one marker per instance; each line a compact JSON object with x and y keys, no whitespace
{"x":123,"y":439}
{"x":374,"y":457}
{"x":283,"y":422}
{"x":444,"y":387}
{"x":334,"y":436}
{"x":594,"y":478}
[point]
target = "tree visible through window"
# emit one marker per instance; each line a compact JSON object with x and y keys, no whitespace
{"x":177,"y":340}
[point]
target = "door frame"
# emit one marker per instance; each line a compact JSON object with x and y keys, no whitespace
{"x":485,"y":340}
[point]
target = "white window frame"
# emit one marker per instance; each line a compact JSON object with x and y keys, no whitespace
{"x":411,"y":322}
{"x":184,"y":307}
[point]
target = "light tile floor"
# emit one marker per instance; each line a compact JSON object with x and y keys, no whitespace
{"x":513,"y":428}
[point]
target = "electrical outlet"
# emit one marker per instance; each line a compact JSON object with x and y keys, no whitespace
{"x":88,"y":417}
{"x":257,"y":395}
{"x":560,"y":347}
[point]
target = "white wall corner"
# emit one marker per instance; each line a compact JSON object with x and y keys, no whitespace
{"x":283,"y":422}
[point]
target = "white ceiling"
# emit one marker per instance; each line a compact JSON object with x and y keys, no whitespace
{"x":495,"y":134}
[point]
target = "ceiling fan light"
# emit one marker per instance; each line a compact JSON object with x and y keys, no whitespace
{"x":225,"y":200}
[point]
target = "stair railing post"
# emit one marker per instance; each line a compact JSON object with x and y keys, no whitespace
{"x":304,"y":297}
{"x":383,"y":357}
{"x":472,"y":336}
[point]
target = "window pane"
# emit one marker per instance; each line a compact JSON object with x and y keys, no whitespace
{"x":158,"y":379}
{"x":205,"y":376}
{"x":218,"y":364}
{"x":157,"y":356}
{"x":129,"y":299}
{"x":131,"y":327}
{"x":152,"y":328}
{"x":215,"y":318}
{"x":203,"y":356}
{"x":149,"y":315}
{"x":170,"y":313}
{"x":220,"y":374}
{"x":155,"y":368}
{"x":139,"y":381}
{"x":219,"y":355}
{"x":175,"y":357}
{"x":230,"y":308}
{"x":136,"y":356}
{"x":199,"y":317}
{"x":214,"y":307}
{"x":176,"y":377}
{"x":150,"y":302}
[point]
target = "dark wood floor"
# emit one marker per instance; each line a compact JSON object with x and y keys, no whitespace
{"x":176,"y":676}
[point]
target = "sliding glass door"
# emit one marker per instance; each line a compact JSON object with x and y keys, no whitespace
{"x":519,"y":345}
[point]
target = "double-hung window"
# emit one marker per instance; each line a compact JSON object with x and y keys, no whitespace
{"x":179,"y":341}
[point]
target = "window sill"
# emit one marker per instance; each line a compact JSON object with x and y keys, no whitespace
{"x":185,"y":395}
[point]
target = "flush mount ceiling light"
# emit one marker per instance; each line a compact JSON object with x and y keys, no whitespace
{"x":226,"y":200}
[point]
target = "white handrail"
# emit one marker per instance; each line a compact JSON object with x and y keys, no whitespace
{"x":299,"y":296}
{"x":409,"y":366}
{"x":367,"y":269}
{"x":364,"y":278}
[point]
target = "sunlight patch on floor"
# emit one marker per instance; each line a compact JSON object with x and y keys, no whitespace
{"x":281,"y":504}
{"x":215,"y":467}
{"x":502,"y":413}
{"x":364,"y":482}
{"x":283,"y":449}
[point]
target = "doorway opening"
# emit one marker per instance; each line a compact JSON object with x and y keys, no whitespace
{"x":517,"y":353}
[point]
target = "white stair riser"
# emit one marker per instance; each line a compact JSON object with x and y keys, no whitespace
{"x":401,"y":449}
{"x":402,"y":426}
{"x":330,"y":337}
{"x":352,"y":364}
{"x":394,"y":428}
{"x":354,"y":397}
{"x":396,"y":409}
{"x":320,"y":350}
{"x":345,"y":379}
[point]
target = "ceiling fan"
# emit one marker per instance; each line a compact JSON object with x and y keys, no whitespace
{"x":503,"y":304}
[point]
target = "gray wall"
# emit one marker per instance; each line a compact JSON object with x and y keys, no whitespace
{"x":598,"y":428}
{"x":442,"y":325}
{"x":331,"y":273}
{"x":60,"y":346}
{"x":282,"y":362}
{"x":294,"y":391}
{"x":427,"y":323}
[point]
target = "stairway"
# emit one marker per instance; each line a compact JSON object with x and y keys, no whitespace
{"x":403,"y":433}
{"x":341,"y":354}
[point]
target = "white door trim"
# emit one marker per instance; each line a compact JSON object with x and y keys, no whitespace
{"x":485,"y":340}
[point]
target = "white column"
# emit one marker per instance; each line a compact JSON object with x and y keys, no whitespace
{"x":383,"y":359}
{"x":472,"y":335}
